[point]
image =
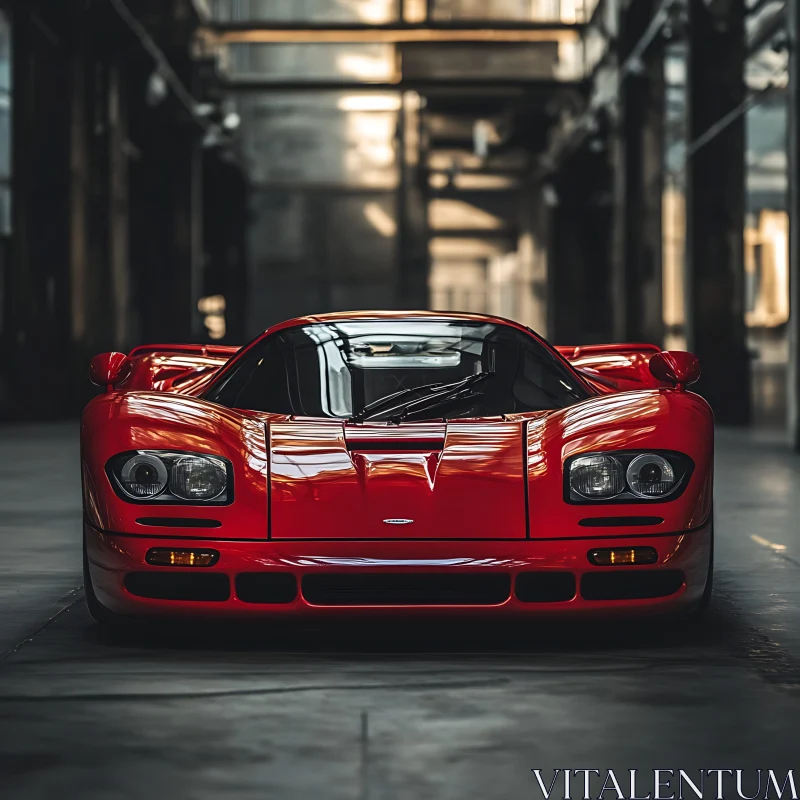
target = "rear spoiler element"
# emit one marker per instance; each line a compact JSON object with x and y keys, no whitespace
{"x":213,"y":350}
{"x":180,"y":368}
{"x":616,"y":367}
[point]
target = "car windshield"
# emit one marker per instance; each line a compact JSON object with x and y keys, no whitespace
{"x":340,"y":369}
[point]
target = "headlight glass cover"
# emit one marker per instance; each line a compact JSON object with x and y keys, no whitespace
{"x":161,"y":476}
{"x":143,"y":475}
{"x":597,"y":476}
{"x":650,"y":475}
{"x":198,"y":478}
{"x":626,"y":476}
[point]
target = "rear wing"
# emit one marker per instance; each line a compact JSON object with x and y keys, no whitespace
{"x":177,"y":368}
{"x":614,"y":367}
{"x":214,"y":350}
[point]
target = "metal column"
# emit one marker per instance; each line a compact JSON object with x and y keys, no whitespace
{"x":637,"y":282}
{"x":715,"y":188}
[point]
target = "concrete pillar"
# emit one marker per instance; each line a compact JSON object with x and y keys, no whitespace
{"x":225,"y":223}
{"x":412,"y":211}
{"x":166,"y":208}
{"x":578,"y":264}
{"x":638,"y":187}
{"x":37,"y":367}
{"x":715,"y":207}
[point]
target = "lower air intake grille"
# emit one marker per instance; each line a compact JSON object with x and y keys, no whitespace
{"x":545,"y":587}
{"x":195,"y":586}
{"x":399,"y":589}
{"x":637,"y":585}
{"x":266,"y":587}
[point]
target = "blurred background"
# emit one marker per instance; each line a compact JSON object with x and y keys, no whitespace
{"x":600,"y":170}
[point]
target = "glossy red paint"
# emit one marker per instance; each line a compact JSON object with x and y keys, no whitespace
{"x":213,"y":350}
{"x":108,"y":369}
{"x":470,"y":486}
{"x":677,"y":367}
{"x":615,"y":367}
{"x":315,"y":494}
{"x":113,"y":557}
{"x":167,"y":371}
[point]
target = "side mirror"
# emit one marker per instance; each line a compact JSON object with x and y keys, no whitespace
{"x":676,"y":366}
{"x":108,"y":369}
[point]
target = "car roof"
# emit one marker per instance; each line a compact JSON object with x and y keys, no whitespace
{"x":340,"y":316}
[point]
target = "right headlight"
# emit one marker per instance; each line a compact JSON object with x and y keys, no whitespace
{"x":626,"y":476}
{"x":161,"y":476}
{"x":650,"y":475}
{"x":596,"y":477}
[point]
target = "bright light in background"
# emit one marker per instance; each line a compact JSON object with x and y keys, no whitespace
{"x":371,"y":135}
{"x":414,"y":11}
{"x":448,"y":160}
{"x":570,"y":64}
{"x":673,"y":245}
{"x":457,"y":214}
{"x":464,"y":249}
{"x":368,"y":68}
{"x":232,"y":121}
{"x":485,"y":182}
{"x":569,"y":11}
{"x":473,"y":181}
{"x":766,"y":266}
{"x":370,"y":102}
{"x":213,"y":310}
{"x":380,"y":220}
{"x":372,"y":11}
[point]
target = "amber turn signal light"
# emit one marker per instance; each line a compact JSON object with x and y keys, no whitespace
{"x":166,"y":557}
{"x":616,"y":556}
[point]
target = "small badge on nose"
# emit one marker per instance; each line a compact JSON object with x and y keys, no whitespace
{"x":398,"y":521}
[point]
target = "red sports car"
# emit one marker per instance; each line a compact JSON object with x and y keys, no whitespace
{"x":380,"y":462}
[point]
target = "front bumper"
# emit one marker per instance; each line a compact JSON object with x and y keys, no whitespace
{"x":682,"y":568}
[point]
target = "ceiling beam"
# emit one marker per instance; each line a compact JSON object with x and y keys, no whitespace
{"x":276,"y":33}
{"x":506,"y":232}
{"x":419,"y":84}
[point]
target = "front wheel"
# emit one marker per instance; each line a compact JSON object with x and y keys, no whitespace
{"x":705,"y":600}
{"x":99,"y":612}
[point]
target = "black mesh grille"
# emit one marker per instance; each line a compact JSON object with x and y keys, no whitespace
{"x":266,"y":587}
{"x":399,"y":589}
{"x":634,"y":585}
{"x":197,"y":586}
{"x":545,"y":587}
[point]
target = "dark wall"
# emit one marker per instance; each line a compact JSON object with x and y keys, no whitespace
{"x":579,"y":293}
{"x":107,"y":248}
{"x":36,"y":329}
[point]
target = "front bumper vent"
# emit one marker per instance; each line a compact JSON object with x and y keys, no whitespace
{"x":380,"y":589}
{"x":545,"y":587}
{"x":192,"y":586}
{"x":635,"y":585}
{"x":276,"y":588}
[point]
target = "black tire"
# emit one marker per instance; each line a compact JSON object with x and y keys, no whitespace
{"x":99,"y":612}
{"x":705,"y":600}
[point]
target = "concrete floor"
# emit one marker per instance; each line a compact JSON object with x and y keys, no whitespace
{"x":372,"y":713}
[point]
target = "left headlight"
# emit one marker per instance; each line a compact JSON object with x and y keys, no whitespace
{"x":626,"y":476}
{"x":161,"y":476}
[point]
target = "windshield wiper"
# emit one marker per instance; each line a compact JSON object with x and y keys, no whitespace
{"x":429,"y":406}
{"x":386,"y":402}
{"x":436,"y":394}
{"x":432,"y":392}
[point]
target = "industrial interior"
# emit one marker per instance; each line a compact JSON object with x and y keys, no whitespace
{"x":196,"y":171}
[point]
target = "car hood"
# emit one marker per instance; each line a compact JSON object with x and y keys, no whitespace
{"x":460,"y":480}
{"x":464,"y":479}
